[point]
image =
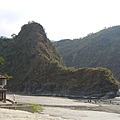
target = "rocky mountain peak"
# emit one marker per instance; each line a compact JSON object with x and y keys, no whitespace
{"x":33,"y":31}
{"x":32,"y":27}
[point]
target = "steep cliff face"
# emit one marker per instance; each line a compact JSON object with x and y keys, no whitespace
{"x":37,"y":68}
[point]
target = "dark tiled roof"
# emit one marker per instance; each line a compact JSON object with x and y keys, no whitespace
{"x":2,"y":77}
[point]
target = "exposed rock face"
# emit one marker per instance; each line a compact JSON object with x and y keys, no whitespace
{"x":37,"y":68}
{"x":67,"y":91}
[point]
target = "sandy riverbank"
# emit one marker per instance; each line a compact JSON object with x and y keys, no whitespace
{"x":6,"y":114}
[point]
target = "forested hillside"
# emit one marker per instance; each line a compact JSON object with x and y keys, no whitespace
{"x":101,"y":49}
{"x":38,"y":69}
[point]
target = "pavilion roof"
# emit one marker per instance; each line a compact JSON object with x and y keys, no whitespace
{"x":2,"y":77}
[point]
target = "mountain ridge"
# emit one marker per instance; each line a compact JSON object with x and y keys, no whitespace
{"x":99,"y":49}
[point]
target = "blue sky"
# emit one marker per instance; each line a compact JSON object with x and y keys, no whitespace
{"x":62,"y":19}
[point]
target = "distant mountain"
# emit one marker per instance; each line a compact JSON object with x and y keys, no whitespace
{"x":52,"y":40}
{"x":3,"y":37}
{"x":37,"y":68}
{"x":101,"y":49}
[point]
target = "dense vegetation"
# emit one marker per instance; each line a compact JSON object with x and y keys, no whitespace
{"x":100,"y":49}
{"x":37,"y":67}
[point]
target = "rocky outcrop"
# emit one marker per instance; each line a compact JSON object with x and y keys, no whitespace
{"x":84,"y":85}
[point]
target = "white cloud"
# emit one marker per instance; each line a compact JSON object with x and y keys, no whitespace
{"x":60,"y":18}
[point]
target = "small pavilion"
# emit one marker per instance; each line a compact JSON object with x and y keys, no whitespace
{"x":3,"y":83}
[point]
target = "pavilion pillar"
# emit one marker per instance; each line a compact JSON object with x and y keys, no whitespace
{"x":4,"y":97}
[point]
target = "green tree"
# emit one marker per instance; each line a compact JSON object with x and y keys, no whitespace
{"x":13,"y":35}
{"x":1,"y":63}
{"x":1,"y":60}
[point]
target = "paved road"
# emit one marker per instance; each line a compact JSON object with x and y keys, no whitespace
{"x":60,"y":107}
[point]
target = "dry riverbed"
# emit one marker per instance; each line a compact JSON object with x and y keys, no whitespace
{"x":63,"y":108}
